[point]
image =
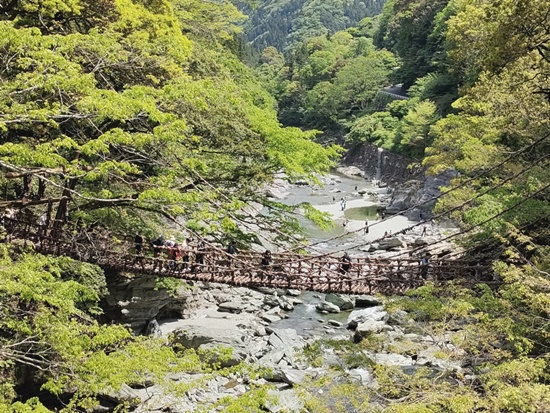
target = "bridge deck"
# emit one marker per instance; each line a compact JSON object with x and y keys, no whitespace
{"x":323,"y":273}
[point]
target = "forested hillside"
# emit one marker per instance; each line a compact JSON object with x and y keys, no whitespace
{"x":477,"y":75}
{"x":327,"y":81}
{"x":126,"y":116}
{"x":285,"y":23}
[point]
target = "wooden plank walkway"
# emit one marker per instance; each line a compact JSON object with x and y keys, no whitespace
{"x":322,"y":273}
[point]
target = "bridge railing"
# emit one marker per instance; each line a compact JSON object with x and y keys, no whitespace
{"x":286,"y":270}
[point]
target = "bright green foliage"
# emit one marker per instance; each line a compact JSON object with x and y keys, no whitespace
{"x":49,"y":330}
{"x":330,"y":80}
{"x":503,"y":112}
{"x":501,"y":337}
{"x":379,"y":128}
{"x":415,"y":127}
{"x":406,"y":28}
{"x":125,"y":119}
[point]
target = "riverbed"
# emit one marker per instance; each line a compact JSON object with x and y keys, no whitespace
{"x":363,"y":199}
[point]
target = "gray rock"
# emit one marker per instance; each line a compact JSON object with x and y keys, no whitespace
{"x":275,"y":193}
{"x":344,"y":302}
{"x":285,"y":338}
{"x":350,"y":171}
{"x":195,"y":336}
{"x":260,"y":331}
{"x":400,"y":317}
{"x":271,"y":300}
{"x":361,"y":375}
{"x":371,"y":314}
{"x":136,"y":301}
{"x":335,"y":323}
{"x":389,"y":243}
{"x":327,"y":307}
{"x":123,"y":395}
{"x":294,"y":293}
{"x":293,"y":376}
{"x":286,"y":304}
{"x":418,"y":242}
{"x":286,"y":401}
{"x":270,"y":318}
{"x":369,"y":327}
{"x":365,"y":300}
{"x":235,"y":307}
{"x":153,"y":329}
{"x":392,"y":359}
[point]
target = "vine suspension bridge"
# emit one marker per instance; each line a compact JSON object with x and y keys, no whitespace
{"x":322,"y":273}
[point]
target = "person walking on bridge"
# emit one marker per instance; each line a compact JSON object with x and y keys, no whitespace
{"x":138,"y":245}
{"x":425,"y":265}
{"x":345,"y":264}
{"x":199,"y":256}
{"x":157,"y":245}
{"x":265,"y":264}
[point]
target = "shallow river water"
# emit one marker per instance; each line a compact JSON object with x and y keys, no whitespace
{"x":305,"y":319}
{"x":358,"y":208}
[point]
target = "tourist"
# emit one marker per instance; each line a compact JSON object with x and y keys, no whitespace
{"x":265,"y":264}
{"x":171,"y":249}
{"x":138,"y":245}
{"x":345,"y":223}
{"x":345,"y":264}
{"x":424,"y":230}
{"x":183,"y":250}
{"x":366,"y":226}
{"x":425,"y":265}
{"x":157,"y":246}
{"x":199,"y":255}
{"x":232,"y":248}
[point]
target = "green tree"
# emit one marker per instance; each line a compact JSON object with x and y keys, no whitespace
{"x":415,"y":127}
{"x":379,"y":128}
{"x":116,"y":122}
{"x":52,"y":342}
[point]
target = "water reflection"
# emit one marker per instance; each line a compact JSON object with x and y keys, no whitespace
{"x":361,"y":213}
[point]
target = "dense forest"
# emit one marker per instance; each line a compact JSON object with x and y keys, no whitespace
{"x":284,"y":24}
{"x":133,"y":115}
{"x":477,"y":80}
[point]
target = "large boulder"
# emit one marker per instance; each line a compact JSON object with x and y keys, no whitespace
{"x":404,"y":197}
{"x":283,"y":344}
{"x":350,"y":171}
{"x":135,"y":301}
{"x":275,"y":193}
{"x":285,"y":338}
{"x":369,"y":327}
{"x":390,"y":243}
{"x":366,"y":300}
{"x":371,"y":314}
{"x":213,"y":329}
{"x":344,"y":302}
{"x":326,"y":307}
